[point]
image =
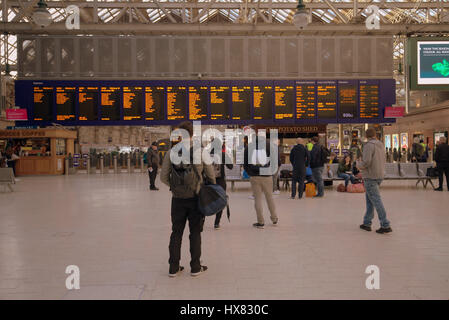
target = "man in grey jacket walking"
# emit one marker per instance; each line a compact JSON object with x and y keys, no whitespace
{"x":373,"y":172}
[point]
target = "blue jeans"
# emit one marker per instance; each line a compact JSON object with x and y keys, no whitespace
{"x":373,"y":200}
{"x":347,"y":177}
{"x":317,"y":176}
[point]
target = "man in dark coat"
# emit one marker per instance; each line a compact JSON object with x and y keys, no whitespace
{"x":442,"y":160}
{"x":299,"y":158}
{"x":153,"y":164}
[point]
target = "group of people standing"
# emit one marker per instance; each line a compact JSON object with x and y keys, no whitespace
{"x":185,"y":181}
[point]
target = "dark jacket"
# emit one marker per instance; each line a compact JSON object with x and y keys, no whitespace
{"x":153,"y":158}
{"x":315,"y":156}
{"x":225,"y":161}
{"x":299,"y":158}
{"x":252,"y":169}
{"x":442,"y":155}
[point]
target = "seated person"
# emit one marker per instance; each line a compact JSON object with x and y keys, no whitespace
{"x":333,"y":158}
{"x":345,"y":170}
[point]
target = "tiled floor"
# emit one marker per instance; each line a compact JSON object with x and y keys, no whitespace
{"x":116,"y":232}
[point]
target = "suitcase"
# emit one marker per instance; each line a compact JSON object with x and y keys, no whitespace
{"x":310,"y":190}
{"x":341,"y":188}
{"x":356,"y":188}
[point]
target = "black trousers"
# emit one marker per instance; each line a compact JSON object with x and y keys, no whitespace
{"x":183,"y":210}
{"x":152,"y":176}
{"x":221,"y":182}
{"x":12,"y":164}
{"x":298,"y":177}
{"x":443,"y":170}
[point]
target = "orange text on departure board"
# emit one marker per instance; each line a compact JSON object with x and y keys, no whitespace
{"x":324,"y":91}
{"x":174,"y":112}
{"x":195,"y":111}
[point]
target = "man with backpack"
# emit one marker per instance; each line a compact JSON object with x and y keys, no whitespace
{"x":417,"y":150}
{"x":256,"y":157}
{"x":185,"y":180}
{"x":152,"y":160}
{"x":318,"y":157}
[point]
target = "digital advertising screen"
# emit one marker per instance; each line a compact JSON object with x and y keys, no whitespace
{"x":433,"y":62}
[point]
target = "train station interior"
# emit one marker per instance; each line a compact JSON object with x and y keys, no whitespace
{"x":93,"y":95}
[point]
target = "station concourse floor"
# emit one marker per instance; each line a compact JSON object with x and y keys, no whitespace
{"x":116,"y":231}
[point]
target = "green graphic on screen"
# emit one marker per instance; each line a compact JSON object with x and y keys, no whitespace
{"x":442,"y":68}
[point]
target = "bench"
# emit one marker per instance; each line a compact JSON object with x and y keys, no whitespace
{"x":234,"y":175}
{"x":7,"y":178}
{"x":422,"y":172}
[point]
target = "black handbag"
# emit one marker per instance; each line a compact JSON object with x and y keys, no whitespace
{"x":432,"y":172}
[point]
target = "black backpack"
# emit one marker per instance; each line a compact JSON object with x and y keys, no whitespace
{"x":324,"y":155}
{"x":183,"y":181}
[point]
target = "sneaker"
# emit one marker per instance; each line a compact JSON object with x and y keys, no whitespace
{"x":173,"y":274}
{"x":438,"y":189}
{"x":365,"y":227}
{"x":252,"y":197}
{"x":384,"y":230}
{"x":217,"y":227}
{"x":276,"y":192}
{"x":275,"y":222}
{"x":202,"y":270}
{"x":155,"y":189}
{"x":258,"y":225}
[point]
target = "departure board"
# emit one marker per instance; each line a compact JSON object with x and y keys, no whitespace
{"x":110,"y":103}
{"x":43,"y":103}
{"x":305,"y":100}
{"x":219,"y":102}
{"x":176,"y":103}
{"x":65,"y":103}
{"x":347,"y":99}
{"x":154,"y":103}
{"x":241,"y":102}
{"x":88,"y":103}
{"x":284,"y":101}
{"x":198,"y":102}
{"x":326,"y":100}
{"x":369,"y":100}
{"x":263,"y":102}
{"x":132,"y":103}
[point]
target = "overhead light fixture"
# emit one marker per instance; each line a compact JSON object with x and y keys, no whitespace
{"x":41,"y":16}
{"x":301,"y":17}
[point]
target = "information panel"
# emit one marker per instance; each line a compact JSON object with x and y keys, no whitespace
{"x":347,"y":99}
{"x":110,"y":103}
{"x":305,"y":100}
{"x":198,"y":102}
{"x":65,"y":103}
{"x":263,"y":102}
{"x":327,"y":99}
{"x":241,"y":102}
{"x":176,"y":103}
{"x":369,"y":99}
{"x":154,"y":103}
{"x":132,"y":103}
{"x":43,"y":103}
{"x":284,"y":101}
{"x":88,"y":103}
{"x":219,"y":102}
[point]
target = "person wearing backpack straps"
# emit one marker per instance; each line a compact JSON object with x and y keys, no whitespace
{"x":185,"y":181}
{"x":318,"y":157}
{"x":220,"y":178}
